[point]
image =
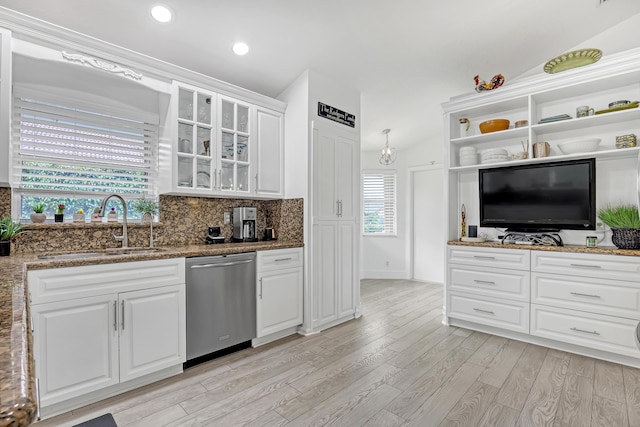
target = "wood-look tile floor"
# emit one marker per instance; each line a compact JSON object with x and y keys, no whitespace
{"x":397,"y":365}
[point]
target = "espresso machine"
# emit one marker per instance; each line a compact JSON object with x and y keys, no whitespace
{"x":244,"y":224}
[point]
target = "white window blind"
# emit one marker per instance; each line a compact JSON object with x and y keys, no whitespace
{"x":66,"y":147}
{"x":379,"y":203}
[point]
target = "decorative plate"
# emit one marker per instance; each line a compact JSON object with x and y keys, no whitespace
{"x":620,"y":108}
{"x":569,"y":60}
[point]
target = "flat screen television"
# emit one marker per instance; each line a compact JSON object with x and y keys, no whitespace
{"x":539,"y":197}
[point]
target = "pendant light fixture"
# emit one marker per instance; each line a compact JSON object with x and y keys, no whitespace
{"x":387,"y":155}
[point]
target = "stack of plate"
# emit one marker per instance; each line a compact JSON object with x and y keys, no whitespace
{"x":494,"y":155}
{"x":468,"y":156}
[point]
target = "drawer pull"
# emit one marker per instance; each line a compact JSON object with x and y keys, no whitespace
{"x":484,"y":282}
{"x":586,"y":266}
{"x":578,"y":294}
{"x":484,"y":257}
{"x":483,"y":311}
{"x":283,"y":259}
{"x":586,"y":332}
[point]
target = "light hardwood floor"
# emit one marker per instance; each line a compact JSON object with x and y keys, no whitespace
{"x":396,"y":365}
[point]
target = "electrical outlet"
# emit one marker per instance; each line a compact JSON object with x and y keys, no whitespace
{"x":227,"y":218}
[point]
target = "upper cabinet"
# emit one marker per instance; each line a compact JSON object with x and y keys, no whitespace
{"x":221,"y":146}
{"x":5,"y":104}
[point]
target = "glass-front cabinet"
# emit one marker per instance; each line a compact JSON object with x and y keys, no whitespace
{"x":235,"y":144}
{"x":196,"y":139}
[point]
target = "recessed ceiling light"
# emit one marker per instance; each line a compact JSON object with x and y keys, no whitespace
{"x":240,"y":48}
{"x":161,"y":13}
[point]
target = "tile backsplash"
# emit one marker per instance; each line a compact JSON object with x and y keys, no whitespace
{"x":183,"y":221}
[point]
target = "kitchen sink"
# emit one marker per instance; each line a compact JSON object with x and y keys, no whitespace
{"x":107,"y":252}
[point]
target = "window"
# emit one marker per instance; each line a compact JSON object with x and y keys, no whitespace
{"x":75,"y":153}
{"x":379,"y":203}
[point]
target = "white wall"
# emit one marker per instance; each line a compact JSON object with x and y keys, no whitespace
{"x":376,"y":251}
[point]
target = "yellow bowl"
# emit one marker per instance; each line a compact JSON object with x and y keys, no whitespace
{"x":494,"y":125}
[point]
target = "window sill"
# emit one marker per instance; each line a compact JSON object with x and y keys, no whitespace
{"x":69,"y":224}
{"x":379,"y":235}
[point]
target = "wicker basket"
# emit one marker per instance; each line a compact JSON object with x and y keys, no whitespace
{"x":626,"y":238}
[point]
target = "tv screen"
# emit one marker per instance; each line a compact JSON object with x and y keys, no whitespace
{"x":539,"y":197}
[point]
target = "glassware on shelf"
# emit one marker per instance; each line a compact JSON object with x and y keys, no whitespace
{"x":227,"y":146}
{"x":203,"y":176}
{"x":242,"y":178}
{"x":243,"y":119}
{"x":227,"y":115}
{"x":204,"y":141}
{"x":242,"y":151}
{"x":185,"y":133}
{"x":185,"y":172}
{"x":204,"y":108}
{"x":226,"y":178}
{"x":185,"y":104}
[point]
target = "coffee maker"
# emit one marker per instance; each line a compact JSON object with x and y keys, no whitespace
{"x":244,"y":224}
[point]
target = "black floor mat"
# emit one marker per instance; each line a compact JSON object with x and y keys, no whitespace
{"x":105,"y":420}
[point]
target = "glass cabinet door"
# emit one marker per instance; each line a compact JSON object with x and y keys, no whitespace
{"x":235,"y":127}
{"x":196,"y":139}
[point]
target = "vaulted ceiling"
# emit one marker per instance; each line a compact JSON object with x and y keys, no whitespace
{"x":404,"y":56}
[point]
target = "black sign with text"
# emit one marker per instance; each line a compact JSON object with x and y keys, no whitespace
{"x":332,"y":113}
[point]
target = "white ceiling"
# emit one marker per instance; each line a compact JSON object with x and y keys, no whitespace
{"x":404,"y":56}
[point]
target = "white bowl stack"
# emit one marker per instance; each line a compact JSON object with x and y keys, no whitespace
{"x":494,"y":155}
{"x":468,"y":156}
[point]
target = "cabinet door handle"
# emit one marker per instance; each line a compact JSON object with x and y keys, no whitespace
{"x":484,"y":257}
{"x":578,"y":294}
{"x":485,"y":282}
{"x":220,"y":179}
{"x":586,"y":332}
{"x":261,"y":288}
{"x":483,"y":311}
{"x":283,"y":259}
{"x":255,"y":190}
{"x":337,"y":208}
{"x":585,"y":266}
{"x":38,"y":398}
{"x":123,"y":315}
{"x":340,"y":208}
{"x":215,"y":179}
{"x":115,"y":315}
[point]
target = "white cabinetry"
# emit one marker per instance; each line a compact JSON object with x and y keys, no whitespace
{"x":96,"y":328}
{"x":279,"y":293}
{"x":586,"y":299}
{"x":581,"y":302}
{"x":334,"y":269}
{"x":489,"y":286}
{"x":5,"y":105}
{"x":221,"y":146}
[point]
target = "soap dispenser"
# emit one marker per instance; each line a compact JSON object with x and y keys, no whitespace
{"x":112,"y":216}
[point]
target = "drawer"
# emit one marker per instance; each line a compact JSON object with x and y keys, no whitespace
{"x":492,"y":282}
{"x":603,"y":296}
{"x":588,"y":265}
{"x":606,"y":333}
{"x":278,"y":259}
{"x":489,"y":257}
{"x":512,"y":315}
{"x":58,"y":284}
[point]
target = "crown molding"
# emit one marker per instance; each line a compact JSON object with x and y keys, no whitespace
{"x":40,"y":32}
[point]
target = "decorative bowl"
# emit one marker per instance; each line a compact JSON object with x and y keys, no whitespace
{"x":579,"y":145}
{"x":521,"y":123}
{"x":494,"y":125}
{"x":616,"y":104}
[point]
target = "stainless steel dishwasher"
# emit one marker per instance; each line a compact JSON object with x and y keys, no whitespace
{"x":221,"y":304}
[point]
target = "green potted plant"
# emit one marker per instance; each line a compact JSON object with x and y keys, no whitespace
{"x":38,"y":213}
{"x":8,"y":229}
{"x":147,"y":207}
{"x":624,"y":222}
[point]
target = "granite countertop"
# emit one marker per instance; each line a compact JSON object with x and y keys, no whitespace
{"x":17,"y":393}
{"x":603,"y":250}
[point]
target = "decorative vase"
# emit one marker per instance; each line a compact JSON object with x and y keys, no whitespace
{"x":5,"y":247}
{"x":58,"y":217}
{"x":38,"y":218}
{"x":626,"y":238}
{"x":79,"y":217}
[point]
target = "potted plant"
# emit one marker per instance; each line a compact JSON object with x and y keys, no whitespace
{"x":38,"y":213}
{"x":624,"y":222}
{"x":59,"y":215}
{"x":8,"y":229}
{"x":147,"y":207}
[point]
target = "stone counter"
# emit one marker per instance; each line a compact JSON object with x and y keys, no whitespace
{"x":17,"y":392}
{"x":605,"y":250}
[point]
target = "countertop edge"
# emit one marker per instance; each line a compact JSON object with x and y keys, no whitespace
{"x":602,"y":250}
{"x":17,"y":394}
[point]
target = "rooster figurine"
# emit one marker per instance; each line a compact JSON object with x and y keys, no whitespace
{"x":495,"y":82}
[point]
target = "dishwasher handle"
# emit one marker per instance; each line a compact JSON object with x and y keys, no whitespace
{"x":221,"y":264}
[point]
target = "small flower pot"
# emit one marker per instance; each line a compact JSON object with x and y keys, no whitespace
{"x":5,"y":248}
{"x":37,"y":218}
{"x":58,"y":217}
{"x":626,"y":238}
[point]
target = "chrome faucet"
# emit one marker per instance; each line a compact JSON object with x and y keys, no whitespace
{"x":103,"y":205}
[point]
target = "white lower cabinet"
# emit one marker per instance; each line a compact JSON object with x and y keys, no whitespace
{"x":130,"y":329}
{"x":280,"y":291}
{"x":589,"y":303}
